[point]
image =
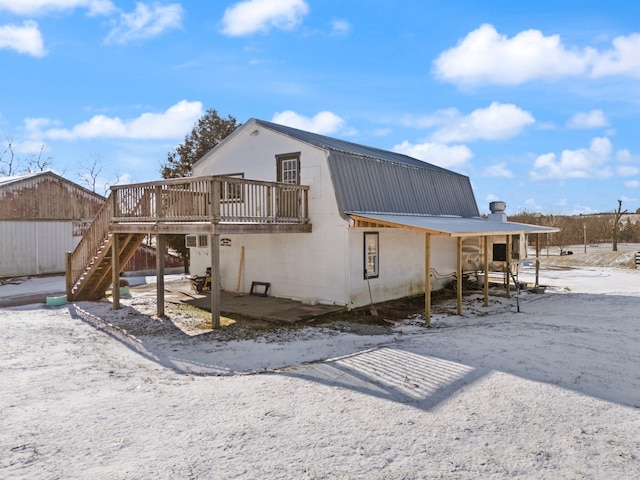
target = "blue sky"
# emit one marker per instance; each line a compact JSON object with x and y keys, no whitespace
{"x":537,"y":102}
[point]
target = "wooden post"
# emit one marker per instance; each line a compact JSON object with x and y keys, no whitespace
{"x":240,"y":269}
{"x":69,"y":275}
{"x":160,"y":275}
{"x":537,"y":258}
{"x":214,"y":248}
{"x":486,"y":271}
{"x":115,"y":270}
{"x":508,"y":267}
{"x":427,"y":279}
{"x":459,"y":276}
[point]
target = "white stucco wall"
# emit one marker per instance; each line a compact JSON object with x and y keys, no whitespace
{"x":401,"y":264}
{"x":304,"y":266}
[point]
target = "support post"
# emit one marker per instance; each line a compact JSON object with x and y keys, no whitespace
{"x":214,"y":246}
{"x":459,"y":276}
{"x":427,"y":279}
{"x":115,"y":270}
{"x":537,"y":259}
{"x":508,"y":268}
{"x":486,"y":271}
{"x":69,"y":275}
{"x":160,"y":240}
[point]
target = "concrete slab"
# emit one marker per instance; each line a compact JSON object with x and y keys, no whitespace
{"x":266,"y":308}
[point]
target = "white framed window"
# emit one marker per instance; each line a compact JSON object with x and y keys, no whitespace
{"x":289,"y":168}
{"x":371,"y":254}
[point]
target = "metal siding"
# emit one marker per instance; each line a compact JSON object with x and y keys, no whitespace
{"x":33,"y":248}
{"x":46,"y":196}
{"x":337,"y":145}
{"x":369,"y":185}
{"x":455,"y":226}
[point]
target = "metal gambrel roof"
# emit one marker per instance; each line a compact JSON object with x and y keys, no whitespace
{"x":451,"y":226}
{"x":368,"y":179}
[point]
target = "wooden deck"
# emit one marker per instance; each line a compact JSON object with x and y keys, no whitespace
{"x":210,"y":205}
{"x":213,"y":204}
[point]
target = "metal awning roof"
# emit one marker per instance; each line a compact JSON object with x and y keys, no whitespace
{"x":450,"y":226}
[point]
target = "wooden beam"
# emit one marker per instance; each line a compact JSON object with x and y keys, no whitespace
{"x":459,"y":276}
{"x":508,"y":267}
{"x":486,"y":271}
{"x":69,"y":275}
{"x":214,"y":246}
{"x":115,"y":271}
{"x":427,"y":279}
{"x":160,"y":240}
{"x":205,"y":228}
{"x":537,"y":259}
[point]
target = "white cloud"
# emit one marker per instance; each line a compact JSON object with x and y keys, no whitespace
{"x":498,"y":170}
{"x":632,"y":184}
{"x":340,"y":28}
{"x":446,"y":156}
{"x":324,"y":123}
{"x":586,"y":120}
{"x":145,"y":22}
{"x":496,"y":122}
{"x":622,"y":59}
{"x":253,"y":16}
{"x":485,"y":56}
{"x":627,"y":170}
{"x":581,"y":163}
{"x":173,"y":123}
{"x":39,"y":7}
{"x":25,"y":38}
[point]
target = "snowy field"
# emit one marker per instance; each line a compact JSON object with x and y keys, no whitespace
{"x":550,"y":392}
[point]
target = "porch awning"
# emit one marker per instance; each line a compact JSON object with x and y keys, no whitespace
{"x":447,"y":226}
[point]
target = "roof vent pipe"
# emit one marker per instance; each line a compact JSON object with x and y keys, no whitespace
{"x":497,"y":212}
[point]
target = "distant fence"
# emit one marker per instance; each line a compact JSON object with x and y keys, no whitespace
{"x":637,"y":260}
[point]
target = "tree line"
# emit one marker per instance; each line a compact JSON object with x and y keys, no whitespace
{"x":607,"y":227}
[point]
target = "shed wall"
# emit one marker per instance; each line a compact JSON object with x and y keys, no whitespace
{"x":47,"y":197}
{"x":34,"y":248}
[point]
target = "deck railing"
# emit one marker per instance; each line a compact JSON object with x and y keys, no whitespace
{"x":85,"y":251}
{"x":215,"y":199}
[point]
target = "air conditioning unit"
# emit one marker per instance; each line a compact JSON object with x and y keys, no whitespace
{"x":193,"y":241}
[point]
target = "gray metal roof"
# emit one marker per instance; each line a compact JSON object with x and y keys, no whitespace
{"x":453,"y":226}
{"x":368,"y":179}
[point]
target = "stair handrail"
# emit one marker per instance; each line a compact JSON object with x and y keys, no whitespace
{"x":79,"y":259}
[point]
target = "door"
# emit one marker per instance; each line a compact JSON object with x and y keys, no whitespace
{"x":288,"y":201}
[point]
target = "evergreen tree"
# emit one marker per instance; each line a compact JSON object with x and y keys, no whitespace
{"x":208,"y":132}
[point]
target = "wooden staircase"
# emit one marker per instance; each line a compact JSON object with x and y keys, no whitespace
{"x":89,"y":266}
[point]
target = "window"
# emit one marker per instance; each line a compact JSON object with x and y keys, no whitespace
{"x":499,"y":252}
{"x":289,"y":168}
{"x":371,"y":255}
{"x":231,"y":191}
{"x":203,"y":240}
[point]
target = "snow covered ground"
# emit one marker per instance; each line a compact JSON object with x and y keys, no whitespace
{"x":550,"y":392}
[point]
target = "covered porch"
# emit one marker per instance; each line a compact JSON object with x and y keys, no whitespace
{"x":459,"y":228}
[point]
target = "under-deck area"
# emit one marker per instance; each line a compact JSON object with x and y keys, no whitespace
{"x":211,"y":205}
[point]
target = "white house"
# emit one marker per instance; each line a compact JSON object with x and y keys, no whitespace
{"x":378,"y":219}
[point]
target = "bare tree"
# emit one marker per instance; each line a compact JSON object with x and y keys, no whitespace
{"x":616,"y":224}
{"x":8,"y":161}
{"x":11,"y":164}
{"x":39,"y":163}
{"x":90,"y":172}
